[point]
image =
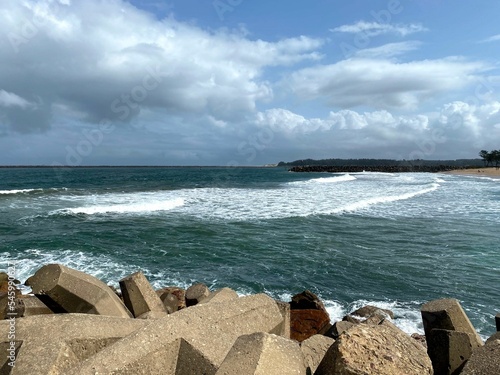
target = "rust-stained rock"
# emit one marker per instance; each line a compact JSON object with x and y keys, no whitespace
{"x":366,"y":350}
{"x":195,"y":293}
{"x":64,"y":289}
{"x":306,"y":323}
{"x":314,"y":349}
{"x":448,"y":314}
{"x":306,"y":300}
{"x":263,"y":353}
{"x":139,"y":296}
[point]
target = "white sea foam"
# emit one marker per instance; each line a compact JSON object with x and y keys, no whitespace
{"x":326,"y":180}
{"x":130,"y":208}
{"x":18,"y":191}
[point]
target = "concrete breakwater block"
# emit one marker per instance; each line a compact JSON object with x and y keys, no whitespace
{"x":263,"y":353}
{"x":209,"y":330}
{"x":484,"y":360}
{"x":64,"y":289}
{"x":448,"y":351}
{"x":314,"y":350}
{"x":139,"y":296}
{"x":52,"y":344}
{"x":195,"y":293}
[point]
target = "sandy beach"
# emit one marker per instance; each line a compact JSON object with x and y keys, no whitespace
{"x":481,"y":172}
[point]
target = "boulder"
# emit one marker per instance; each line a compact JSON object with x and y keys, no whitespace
{"x":195,"y":293}
{"x":448,"y":351}
{"x":494,"y":339}
{"x":4,"y":277}
{"x":314,"y":349}
{"x":170,"y":302}
{"x":64,"y":289}
{"x":448,"y":314}
{"x":263,"y":353}
{"x":369,"y":311}
{"x":210,"y":330}
{"x":381,"y":349}
{"x":139,"y":296}
{"x":178,"y":292}
{"x":420,"y":339}
{"x":307,"y":323}
{"x":31,"y":305}
{"x":352,"y":319}
{"x":484,"y":360}
{"x":221,"y":295}
{"x":339,"y":328}
{"x":306,"y":300}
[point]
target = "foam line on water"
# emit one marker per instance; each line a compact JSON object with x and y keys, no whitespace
{"x":326,"y":180}
{"x":18,"y":191}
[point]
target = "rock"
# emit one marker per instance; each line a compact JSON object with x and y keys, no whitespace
{"x":4,"y":277}
{"x":139,"y":296}
{"x":306,"y":323}
{"x":494,"y":339}
{"x":352,"y":319}
{"x":366,"y":350}
{"x":448,"y":314}
{"x":484,"y":360}
{"x":448,"y":350}
{"x":195,"y":293}
{"x":497,"y":322}
{"x":53,"y":344}
{"x":170,"y":302}
{"x":263,"y":353}
{"x":369,"y":311}
{"x":306,"y":301}
{"x":64,"y":289}
{"x":314,"y":349}
{"x":153,"y":315}
{"x":338,"y":328}
{"x":178,"y":292}
{"x":221,"y":295}
{"x":420,"y":339}
{"x":209,"y":330}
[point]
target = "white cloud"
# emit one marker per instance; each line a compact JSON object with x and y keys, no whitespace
{"x":88,"y":57}
{"x":494,"y":38}
{"x":388,"y":50}
{"x":375,"y":28}
{"x":382,"y":84}
{"x":9,"y":99}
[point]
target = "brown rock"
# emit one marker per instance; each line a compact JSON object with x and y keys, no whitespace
{"x":483,"y":361}
{"x":494,"y":339}
{"x":139,"y":296}
{"x":351,"y":319}
{"x":314,"y":349}
{"x":195,"y":293}
{"x":306,"y":323}
{"x":420,"y":339}
{"x":448,"y":351}
{"x":170,"y":302}
{"x":178,"y":292}
{"x":369,"y":311}
{"x":367,"y":350}
{"x":339,"y":328}
{"x":64,"y":289}
{"x":306,"y":301}
{"x":4,"y":277}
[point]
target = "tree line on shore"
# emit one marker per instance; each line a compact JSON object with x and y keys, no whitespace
{"x":490,"y":157}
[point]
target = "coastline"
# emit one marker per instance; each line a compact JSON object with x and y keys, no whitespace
{"x":479,"y":172}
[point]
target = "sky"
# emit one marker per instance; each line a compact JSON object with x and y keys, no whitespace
{"x":240,"y":82}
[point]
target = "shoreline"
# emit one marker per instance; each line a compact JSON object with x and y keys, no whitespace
{"x":491,"y":172}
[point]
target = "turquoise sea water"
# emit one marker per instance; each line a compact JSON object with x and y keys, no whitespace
{"x":394,"y":240}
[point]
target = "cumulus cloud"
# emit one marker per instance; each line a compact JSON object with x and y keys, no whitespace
{"x":376,"y":28}
{"x":84,"y":57}
{"x":382,"y":84}
{"x":388,"y":50}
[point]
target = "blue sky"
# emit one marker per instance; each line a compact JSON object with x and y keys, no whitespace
{"x":240,"y":82}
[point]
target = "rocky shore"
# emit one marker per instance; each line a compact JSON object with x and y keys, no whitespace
{"x":386,"y":168}
{"x":73,"y":323}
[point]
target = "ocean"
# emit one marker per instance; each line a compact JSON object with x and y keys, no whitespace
{"x":391,"y":240}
